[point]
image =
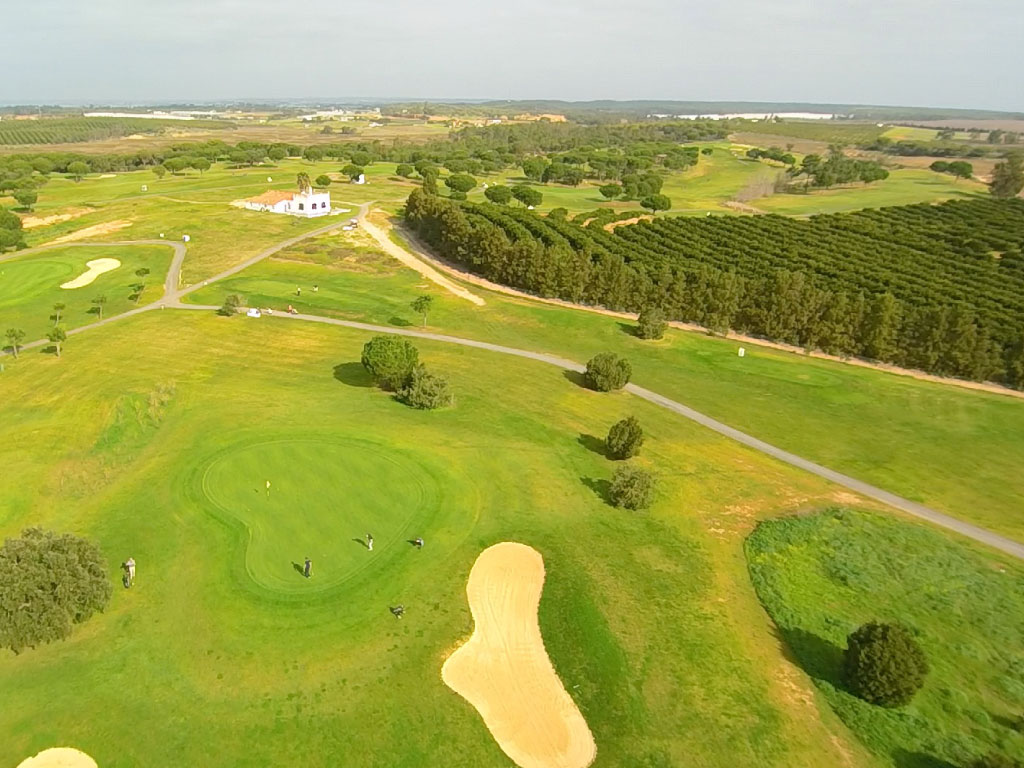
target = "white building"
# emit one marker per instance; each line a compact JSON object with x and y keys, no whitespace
{"x":311,"y":203}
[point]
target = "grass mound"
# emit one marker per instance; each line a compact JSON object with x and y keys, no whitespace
{"x":822,"y":576}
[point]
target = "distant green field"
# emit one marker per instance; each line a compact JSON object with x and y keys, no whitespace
{"x":31,"y":285}
{"x":830,"y":131}
{"x":822,"y":576}
{"x":954,"y":449}
{"x":903,"y":187}
{"x":910,"y":133}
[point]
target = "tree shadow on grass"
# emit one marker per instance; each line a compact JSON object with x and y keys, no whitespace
{"x":817,"y":656}
{"x":576,"y":378}
{"x":353,"y":374}
{"x":401,"y":322}
{"x":629,"y":329}
{"x":600,"y":487}
{"x":594,"y":444}
{"x":903,"y":758}
{"x":50,"y":349}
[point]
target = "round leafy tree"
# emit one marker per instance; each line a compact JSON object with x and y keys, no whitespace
{"x":607,"y":371}
{"x":631,"y":488}
{"x":48,"y":583}
{"x":498,"y":194}
{"x":884,"y":664}
{"x":390,"y":360}
{"x":425,"y":391}
{"x":651,"y":323}
{"x":624,"y":438}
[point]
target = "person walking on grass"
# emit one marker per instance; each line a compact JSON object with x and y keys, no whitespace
{"x":418,"y":542}
{"x":129,"y":565}
{"x":307,"y":569}
{"x":369,"y":542}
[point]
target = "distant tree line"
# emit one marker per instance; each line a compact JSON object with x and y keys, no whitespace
{"x":939,"y":288}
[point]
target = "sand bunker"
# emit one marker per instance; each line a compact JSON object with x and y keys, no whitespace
{"x":504,"y":671}
{"x":59,"y":757}
{"x":32,"y":222}
{"x":96,"y":267}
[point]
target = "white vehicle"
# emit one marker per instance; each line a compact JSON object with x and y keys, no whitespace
{"x":253,"y":312}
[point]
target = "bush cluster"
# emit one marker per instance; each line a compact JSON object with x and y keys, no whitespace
{"x":394,"y":364}
{"x":884,"y":664}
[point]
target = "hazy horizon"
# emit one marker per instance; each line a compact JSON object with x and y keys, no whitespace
{"x":903,"y":53}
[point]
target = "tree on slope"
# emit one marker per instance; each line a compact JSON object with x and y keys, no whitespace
{"x":498,"y":194}
{"x":624,"y":438}
{"x":14,"y":337}
{"x":884,"y":664}
{"x":1008,"y":176}
{"x":422,"y":305}
{"x":49,"y":583}
{"x":607,"y":371}
{"x":632,"y":488}
{"x":77,"y":170}
{"x":655,"y":203}
{"x":526,"y":195}
{"x":651,"y":323}
{"x":57,"y":337}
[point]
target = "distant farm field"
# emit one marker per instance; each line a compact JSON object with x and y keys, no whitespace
{"x":80,"y":129}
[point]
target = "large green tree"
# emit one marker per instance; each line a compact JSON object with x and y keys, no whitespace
{"x":424,"y":390}
{"x":884,"y":664}
{"x":48,"y":583}
{"x":57,"y":337}
{"x":624,"y":438}
{"x":632,"y":488}
{"x":1008,"y":176}
{"x":527,"y":195}
{"x":607,"y":371}
{"x":390,"y":360}
{"x":14,"y":337}
{"x":498,"y":193}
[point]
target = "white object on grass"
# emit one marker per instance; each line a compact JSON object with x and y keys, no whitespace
{"x":741,"y":352}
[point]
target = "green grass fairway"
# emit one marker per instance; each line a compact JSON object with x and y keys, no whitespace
{"x":822,"y":576}
{"x":322,"y":495}
{"x":903,"y":187}
{"x":30,"y":286}
{"x":957,"y":450}
{"x":223,"y":654}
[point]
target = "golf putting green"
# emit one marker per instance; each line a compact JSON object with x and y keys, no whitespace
{"x":324,"y":497}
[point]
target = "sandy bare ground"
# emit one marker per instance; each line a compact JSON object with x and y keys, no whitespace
{"x":33,"y":222}
{"x":96,"y":267}
{"x":59,"y":757}
{"x":736,"y":205}
{"x":469,"y":277}
{"x":612,"y":225}
{"x":413,"y":263}
{"x":96,"y":230}
{"x":504,"y":671}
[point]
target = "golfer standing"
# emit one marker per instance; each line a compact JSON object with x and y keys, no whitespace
{"x":307,"y":570}
{"x":369,"y":542}
{"x":130,"y":565}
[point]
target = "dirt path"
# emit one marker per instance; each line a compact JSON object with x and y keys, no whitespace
{"x":409,"y":260}
{"x":504,"y":671}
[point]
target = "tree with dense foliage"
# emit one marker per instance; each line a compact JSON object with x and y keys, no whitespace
{"x":48,"y":583}
{"x":26,"y":197}
{"x":607,"y":371}
{"x":11,"y":231}
{"x":57,"y":336}
{"x":313,"y":154}
{"x":277,"y":154}
{"x":651,"y":323}
{"x":14,"y":338}
{"x":230,"y":306}
{"x":353,"y":171}
{"x":303,"y":183}
{"x":655,"y":203}
{"x":77,"y":170}
{"x":421,"y":306}
{"x":499,"y":194}
{"x":404,"y":170}
{"x":98,"y":302}
{"x":527,"y":195}
{"x":534,"y":167}
{"x":323,"y":181}
{"x":624,"y":438}
{"x":201,"y":164}
{"x":610,"y":191}
{"x":175,"y":165}
{"x":159,"y":171}
{"x":884,"y":664}
{"x":631,"y":488}
{"x":425,"y":390}
{"x":460,"y":182}
{"x":1008,"y":176}
{"x":361,"y":158}
{"x":390,"y":360}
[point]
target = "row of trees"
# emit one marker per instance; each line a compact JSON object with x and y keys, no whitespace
{"x":933,"y":298}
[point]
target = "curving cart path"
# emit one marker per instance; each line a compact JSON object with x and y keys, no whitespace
{"x":173,"y":294}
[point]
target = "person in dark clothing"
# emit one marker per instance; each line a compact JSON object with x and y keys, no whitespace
{"x":307,"y":570}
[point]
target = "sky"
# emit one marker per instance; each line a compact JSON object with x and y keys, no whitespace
{"x":948,"y":53}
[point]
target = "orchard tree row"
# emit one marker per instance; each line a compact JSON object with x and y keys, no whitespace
{"x":937,"y":288}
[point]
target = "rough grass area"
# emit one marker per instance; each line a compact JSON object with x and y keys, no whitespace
{"x":823,"y":575}
{"x":156,"y":441}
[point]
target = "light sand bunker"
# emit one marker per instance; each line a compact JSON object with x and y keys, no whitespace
{"x":504,"y":671}
{"x":96,"y":267}
{"x":59,"y":757}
